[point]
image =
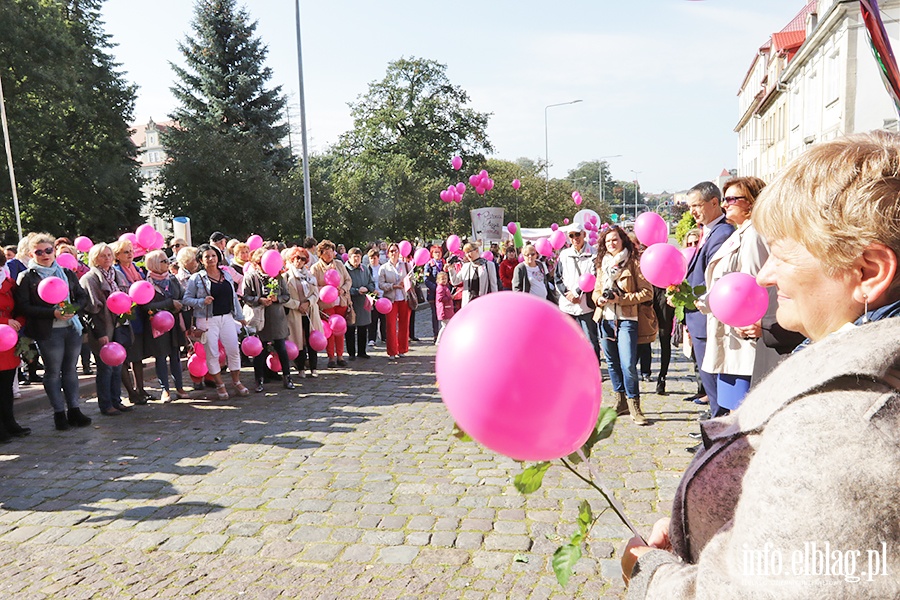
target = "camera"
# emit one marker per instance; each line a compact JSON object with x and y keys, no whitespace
{"x":611,"y":292}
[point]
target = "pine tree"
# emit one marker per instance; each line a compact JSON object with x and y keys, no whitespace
{"x":226,"y":159}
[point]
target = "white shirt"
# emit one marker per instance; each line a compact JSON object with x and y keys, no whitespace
{"x":536,"y":281}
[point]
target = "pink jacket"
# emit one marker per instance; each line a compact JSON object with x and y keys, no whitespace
{"x":443,"y":302}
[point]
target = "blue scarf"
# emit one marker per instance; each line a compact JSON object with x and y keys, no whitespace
{"x":888,"y":311}
{"x":55,"y":270}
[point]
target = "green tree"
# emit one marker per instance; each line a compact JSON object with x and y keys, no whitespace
{"x":686,"y":223}
{"x":69,"y":111}
{"x":227,"y":163}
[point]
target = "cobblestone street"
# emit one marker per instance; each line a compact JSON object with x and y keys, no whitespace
{"x":350,"y":486}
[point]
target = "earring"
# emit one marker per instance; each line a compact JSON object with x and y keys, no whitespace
{"x":865,"y":317}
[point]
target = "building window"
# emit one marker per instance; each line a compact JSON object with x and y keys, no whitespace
{"x":832,"y":78}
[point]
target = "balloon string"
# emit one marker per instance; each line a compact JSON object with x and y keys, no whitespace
{"x":609,"y":496}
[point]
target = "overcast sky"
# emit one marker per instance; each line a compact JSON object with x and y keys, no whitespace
{"x":658,"y":79}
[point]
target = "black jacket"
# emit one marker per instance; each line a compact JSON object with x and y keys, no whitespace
{"x":39,"y":314}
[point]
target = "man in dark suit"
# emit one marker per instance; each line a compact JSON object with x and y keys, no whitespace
{"x":704,"y":202}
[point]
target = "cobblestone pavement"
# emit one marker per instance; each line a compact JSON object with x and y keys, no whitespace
{"x":348,"y":487}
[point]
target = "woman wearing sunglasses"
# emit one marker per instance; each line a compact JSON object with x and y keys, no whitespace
{"x":165,"y":347}
{"x":56,"y":330}
{"x":303,"y":308}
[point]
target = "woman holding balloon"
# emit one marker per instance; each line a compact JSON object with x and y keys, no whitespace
{"x":50,"y":299}
{"x":124,"y":253}
{"x":390,"y":281}
{"x":361,"y":285}
{"x":9,"y":360}
{"x":101,"y":325}
{"x":333,"y":306}
{"x":304,"y":322}
{"x":261,"y":289}
{"x":165,"y":334}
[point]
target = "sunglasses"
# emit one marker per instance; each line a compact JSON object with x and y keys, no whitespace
{"x":691,"y":244}
{"x":165,"y":260}
{"x":47,"y":252}
{"x":729,"y":200}
{"x":572,"y":236}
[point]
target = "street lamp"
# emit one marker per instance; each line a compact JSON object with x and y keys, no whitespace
{"x":546,"y":140}
{"x":635,"y":190}
{"x":600,"y":168}
{"x":307,"y":201}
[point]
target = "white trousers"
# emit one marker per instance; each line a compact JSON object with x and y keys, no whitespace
{"x":221,"y":328}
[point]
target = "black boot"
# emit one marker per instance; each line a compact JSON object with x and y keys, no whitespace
{"x":8,"y":421}
{"x":288,"y":384}
{"x":59,"y":419}
{"x":5,"y":436}
{"x":78,"y":418}
{"x":259,"y":386}
{"x":661,"y":386}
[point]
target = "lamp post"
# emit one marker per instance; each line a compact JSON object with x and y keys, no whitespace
{"x":307,"y":201}
{"x":547,"y":142}
{"x":635,"y":190}
{"x":600,"y":169}
{"x":9,"y":161}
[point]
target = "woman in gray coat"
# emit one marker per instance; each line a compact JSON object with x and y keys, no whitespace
{"x":270,"y":293}
{"x":361,"y":284}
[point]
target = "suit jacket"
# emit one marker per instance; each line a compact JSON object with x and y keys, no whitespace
{"x":696,"y":274}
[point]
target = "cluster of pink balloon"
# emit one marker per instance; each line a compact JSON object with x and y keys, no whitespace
{"x":197,"y":362}
{"x":453,"y":193}
{"x":576,"y":196}
{"x":593,"y":229}
{"x":526,"y":414}
{"x":481,"y":182}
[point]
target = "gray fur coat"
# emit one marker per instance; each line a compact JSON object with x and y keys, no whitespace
{"x":809,"y":463}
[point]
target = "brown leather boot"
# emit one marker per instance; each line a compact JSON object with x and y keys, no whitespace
{"x":621,"y":404}
{"x":634,"y":407}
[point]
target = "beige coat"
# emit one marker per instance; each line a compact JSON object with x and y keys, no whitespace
{"x":318,"y":271}
{"x":637,"y":290}
{"x":301,"y":303}
{"x":811,"y":456}
{"x":726,"y":351}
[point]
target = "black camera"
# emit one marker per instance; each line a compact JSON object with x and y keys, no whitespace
{"x":611,"y":292}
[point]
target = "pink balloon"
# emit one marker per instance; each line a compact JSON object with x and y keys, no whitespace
{"x":421,"y":257}
{"x":139,"y":251}
{"x":67,"y":261}
{"x":544,"y":247}
{"x":521,"y":258}
{"x":332,"y":277}
{"x":199,"y":350}
{"x":586,"y":282}
{"x":53,"y":290}
{"x":454,"y":243}
{"x":479,"y":190}
{"x":473,"y":179}
{"x":512,"y":228}
{"x":338,"y":324}
{"x":405,"y":248}
{"x":223,"y":357}
{"x":592,"y":219}
{"x":146,"y":235}
{"x":737,"y":300}
{"x":574,"y":195}
{"x":557,"y":239}
{"x":141,"y":292}
{"x":292,"y":350}
{"x":663,"y":265}
{"x":526,"y":414}
{"x":326,"y":329}
{"x":488,"y":256}
{"x":650,"y":228}
{"x":317,"y":341}
{"x":516,"y":184}
{"x":328,"y":294}
{"x":345,"y":257}
{"x":456,"y":162}
{"x":578,"y":201}
{"x":9,"y":337}
{"x":197,"y":366}
{"x":129,"y":237}
{"x":254,"y":242}
{"x":445,"y":196}
{"x":565,"y":221}
{"x":119,"y":303}
{"x":367,"y":303}
{"x":113,"y":354}
{"x":272,"y":263}
{"x":83,"y":243}
{"x":159,"y":242}
{"x":383,"y":305}
{"x":251,"y":346}
{"x":273,"y":362}
{"x":460,"y":188}
{"x":689,"y":253}
{"x":489,"y":185}
{"x":554,"y":226}
{"x":162,"y":321}
{"x":483,"y":174}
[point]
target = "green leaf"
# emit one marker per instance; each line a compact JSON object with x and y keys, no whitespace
{"x":564,"y":560}
{"x":699,"y":290}
{"x":460,"y":434}
{"x":606,"y":420}
{"x":585,"y":517}
{"x":531,"y":478}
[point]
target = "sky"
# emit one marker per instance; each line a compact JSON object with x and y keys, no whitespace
{"x":657,"y":79}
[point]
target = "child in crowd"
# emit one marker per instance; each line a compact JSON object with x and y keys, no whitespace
{"x":443,"y":302}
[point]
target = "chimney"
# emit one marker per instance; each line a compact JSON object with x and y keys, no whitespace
{"x":812,"y":19}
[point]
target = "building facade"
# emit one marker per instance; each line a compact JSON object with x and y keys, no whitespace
{"x":151,"y":156}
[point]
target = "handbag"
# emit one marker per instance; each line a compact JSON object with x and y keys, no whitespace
{"x":255,"y":315}
{"x":411,"y":299}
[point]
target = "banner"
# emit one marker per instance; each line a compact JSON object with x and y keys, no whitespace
{"x":487,"y":224}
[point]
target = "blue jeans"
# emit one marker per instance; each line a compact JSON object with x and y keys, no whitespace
{"x":589,"y":327}
{"x":162,"y":369}
{"x":619,"y":341}
{"x":60,"y":352}
{"x":109,"y":385}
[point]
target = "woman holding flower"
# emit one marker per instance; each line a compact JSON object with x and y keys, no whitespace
{"x":165,"y":346}
{"x":272,"y":294}
{"x":325,"y":263}
{"x":57,"y":330}
{"x":361,"y":284}
{"x":124,"y":252}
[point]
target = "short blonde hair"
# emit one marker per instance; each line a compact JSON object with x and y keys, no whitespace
{"x":185,"y":255}
{"x":154,"y":260}
{"x":121,"y":246}
{"x":95,"y":251}
{"x":836,"y":199}
{"x":40,"y":238}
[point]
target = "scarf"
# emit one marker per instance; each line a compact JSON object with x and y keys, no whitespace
{"x":610,"y":263}
{"x":110,"y":276}
{"x":55,"y":270}
{"x":475,"y":280}
{"x":131,"y":273}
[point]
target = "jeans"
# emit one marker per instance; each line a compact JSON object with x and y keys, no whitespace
{"x":589,"y":327}
{"x":621,"y":356}
{"x":60,"y":352}
{"x":162,"y":369}
{"x":109,"y":385}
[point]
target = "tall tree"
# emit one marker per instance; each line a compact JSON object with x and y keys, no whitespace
{"x":69,"y":111}
{"x":226,"y":158}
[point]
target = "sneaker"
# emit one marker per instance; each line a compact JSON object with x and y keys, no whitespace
{"x":392,"y":357}
{"x":402,"y":355}
{"x":371,"y":343}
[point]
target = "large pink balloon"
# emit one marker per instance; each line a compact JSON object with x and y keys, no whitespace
{"x":456,"y":163}
{"x":67,"y":261}
{"x":200,"y":350}
{"x":737,"y":300}
{"x":317,"y":341}
{"x":454,"y":243}
{"x":162,"y":321}
{"x":119,"y":303}
{"x":338,"y":324}
{"x":586,"y":282}
{"x":146,"y":235}
{"x":254,"y":242}
{"x":663,"y":265}
{"x":53,"y":290}
{"x":544,"y":247}
{"x":421,"y":257}
{"x":9,"y":337}
{"x":141,"y":292}
{"x":251,"y":346}
{"x":650,"y":228}
{"x":383,"y":305}
{"x":526,"y":414}
{"x":405,"y":248}
{"x":292,"y":350}
{"x":113,"y":354}
{"x":332,"y":277}
{"x":159,"y":242}
{"x":558,"y":239}
{"x":271,"y":263}
{"x":512,"y":228}
{"x":197,"y":366}
{"x":83,"y":243}
{"x":273,"y":362}
{"x":328,"y":294}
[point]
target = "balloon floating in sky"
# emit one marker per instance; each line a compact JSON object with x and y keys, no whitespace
{"x":456,"y":163}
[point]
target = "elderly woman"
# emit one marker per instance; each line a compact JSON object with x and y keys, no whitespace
{"x":530,"y":276}
{"x":102,"y":327}
{"x":361,"y":284}
{"x":810,"y":459}
{"x":390,"y":281}
{"x":339,"y":307}
{"x":165,"y":346}
{"x":619,"y":289}
{"x":56,"y":331}
{"x":210,"y":293}
{"x":734,"y":354}
{"x":272,"y":295}
{"x":477,"y":275}
{"x":134,"y":383}
{"x":302,"y":308}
